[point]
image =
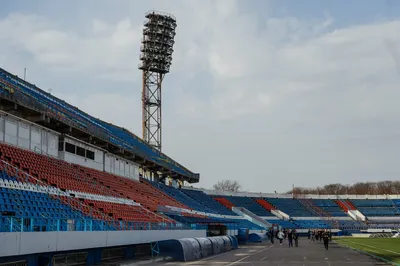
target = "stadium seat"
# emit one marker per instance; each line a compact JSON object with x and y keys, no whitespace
{"x":70,"y":177}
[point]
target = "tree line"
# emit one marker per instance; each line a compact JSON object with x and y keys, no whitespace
{"x":360,"y":188}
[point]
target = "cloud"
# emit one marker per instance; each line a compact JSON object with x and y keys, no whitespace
{"x":103,"y":52}
{"x":250,"y":96}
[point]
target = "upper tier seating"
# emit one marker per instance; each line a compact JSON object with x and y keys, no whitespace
{"x":208,"y":201}
{"x":249,"y":204}
{"x":376,"y":207}
{"x":329,"y":206}
{"x":34,"y":95}
{"x":292,"y":207}
{"x":67,"y":176}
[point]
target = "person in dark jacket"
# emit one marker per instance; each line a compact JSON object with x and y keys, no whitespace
{"x":290,"y":238}
{"x":271,"y":235}
{"x":325,"y":237}
{"x":296,"y":238}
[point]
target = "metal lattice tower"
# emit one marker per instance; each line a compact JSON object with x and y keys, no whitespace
{"x":156,"y":57}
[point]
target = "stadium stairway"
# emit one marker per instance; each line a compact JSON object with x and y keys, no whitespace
{"x":396,"y":203}
{"x":250,"y":204}
{"x":393,"y":203}
{"x":342,"y":205}
{"x":180,"y":196}
{"x":285,"y":208}
{"x":348,"y":207}
{"x":252,"y":217}
{"x":225,"y":202}
{"x":208,"y":201}
{"x":266,"y":205}
{"x":318,"y":211}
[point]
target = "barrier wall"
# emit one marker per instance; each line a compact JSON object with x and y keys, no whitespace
{"x":14,"y":244}
{"x":205,"y":246}
{"x":257,"y":237}
{"x":190,"y":249}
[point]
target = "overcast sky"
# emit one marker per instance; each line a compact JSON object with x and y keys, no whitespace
{"x":269,"y":93}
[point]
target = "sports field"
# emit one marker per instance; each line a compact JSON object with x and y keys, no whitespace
{"x":385,"y":248}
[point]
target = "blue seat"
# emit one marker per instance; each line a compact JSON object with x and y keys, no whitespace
{"x":292,"y":207}
{"x":249,"y":204}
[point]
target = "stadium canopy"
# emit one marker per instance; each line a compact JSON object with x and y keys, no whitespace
{"x":33,"y":104}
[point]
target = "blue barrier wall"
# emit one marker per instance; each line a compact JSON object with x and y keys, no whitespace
{"x":257,"y":237}
{"x":205,"y":246}
{"x":189,"y":249}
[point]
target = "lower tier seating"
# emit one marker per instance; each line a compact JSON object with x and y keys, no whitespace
{"x":35,"y":211}
{"x":65,"y":176}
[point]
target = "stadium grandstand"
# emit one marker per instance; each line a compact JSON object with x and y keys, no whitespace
{"x":72,"y":183}
{"x":65,"y":172}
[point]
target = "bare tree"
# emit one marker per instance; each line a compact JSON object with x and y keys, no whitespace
{"x":228,"y":186}
{"x":360,"y":188}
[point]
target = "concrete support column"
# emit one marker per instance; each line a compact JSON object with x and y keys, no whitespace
{"x":94,"y":257}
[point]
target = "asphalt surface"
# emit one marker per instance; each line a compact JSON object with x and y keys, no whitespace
{"x":266,"y":254}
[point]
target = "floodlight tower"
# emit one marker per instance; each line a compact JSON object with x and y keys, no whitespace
{"x":156,"y":56}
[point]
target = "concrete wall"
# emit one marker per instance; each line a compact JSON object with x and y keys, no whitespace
{"x":97,"y":163}
{"x":27,"y":135}
{"x":13,"y":244}
{"x":119,"y":166}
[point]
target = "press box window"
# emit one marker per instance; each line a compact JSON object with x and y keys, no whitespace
{"x":69,"y":147}
{"x":80,"y":151}
{"x":90,"y":155}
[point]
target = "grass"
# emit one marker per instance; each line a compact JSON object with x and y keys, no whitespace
{"x":385,"y":248}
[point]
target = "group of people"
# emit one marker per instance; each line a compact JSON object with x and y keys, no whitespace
{"x":321,"y":235}
{"x":292,"y":235}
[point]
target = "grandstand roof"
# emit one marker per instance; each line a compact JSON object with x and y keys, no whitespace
{"x":84,"y":126}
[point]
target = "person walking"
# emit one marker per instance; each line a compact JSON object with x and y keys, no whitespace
{"x":296,"y":238}
{"x":325,"y":237}
{"x":280,"y":237}
{"x":271,"y":236}
{"x":290,"y":238}
{"x":313,"y":236}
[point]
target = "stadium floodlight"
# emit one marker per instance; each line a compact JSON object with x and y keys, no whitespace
{"x":156,"y":56}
